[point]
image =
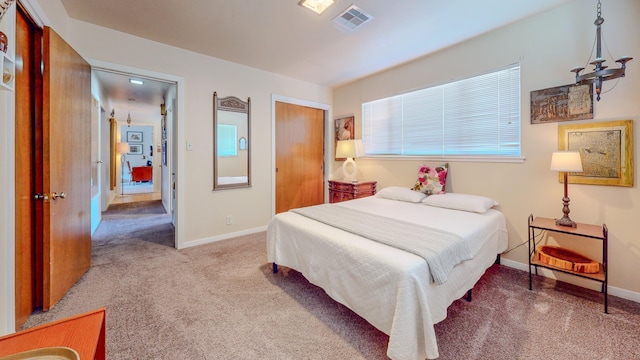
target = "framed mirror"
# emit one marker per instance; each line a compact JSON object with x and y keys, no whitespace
{"x":231,"y":142}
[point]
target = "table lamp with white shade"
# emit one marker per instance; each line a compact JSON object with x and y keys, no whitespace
{"x":566,"y":162}
{"x":122,"y":148}
{"x":349,"y":149}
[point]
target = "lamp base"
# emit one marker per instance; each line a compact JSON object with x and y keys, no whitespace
{"x":350,"y":175}
{"x":565,"y":221}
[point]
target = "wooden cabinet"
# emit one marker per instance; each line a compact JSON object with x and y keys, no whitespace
{"x":142,"y":173}
{"x":581,"y":231}
{"x":342,"y":190}
{"x":84,"y":333}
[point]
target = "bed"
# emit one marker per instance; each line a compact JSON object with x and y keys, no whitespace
{"x":392,"y":289}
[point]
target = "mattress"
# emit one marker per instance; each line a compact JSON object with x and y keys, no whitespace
{"x":388,"y":287}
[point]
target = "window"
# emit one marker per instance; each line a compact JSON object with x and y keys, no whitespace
{"x":474,"y":117}
{"x":227,"y":135}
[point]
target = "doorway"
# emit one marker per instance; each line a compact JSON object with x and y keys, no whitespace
{"x":142,"y":107}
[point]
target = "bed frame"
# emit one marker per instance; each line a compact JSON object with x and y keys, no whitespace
{"x":468,"y":296}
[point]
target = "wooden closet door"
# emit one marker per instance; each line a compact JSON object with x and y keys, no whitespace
{"x":66,"y":137}
{"x":299,"y":156}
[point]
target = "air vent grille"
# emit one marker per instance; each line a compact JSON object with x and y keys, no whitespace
{"x":352,"y":18}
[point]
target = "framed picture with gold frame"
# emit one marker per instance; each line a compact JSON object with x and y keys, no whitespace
{"x":606,"y":150}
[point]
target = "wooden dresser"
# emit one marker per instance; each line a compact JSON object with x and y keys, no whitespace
{"x":84,"y":333}
{"x":342,"y":190}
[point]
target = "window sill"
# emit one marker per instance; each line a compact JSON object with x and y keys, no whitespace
{"x":461,"y":158}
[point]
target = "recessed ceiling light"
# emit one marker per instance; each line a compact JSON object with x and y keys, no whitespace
{"x":137,"y":82}
{"x":317,"y":6}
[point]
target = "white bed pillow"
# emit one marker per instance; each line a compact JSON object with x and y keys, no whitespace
{"x":401,"y":194}
{"x":465,"y":202}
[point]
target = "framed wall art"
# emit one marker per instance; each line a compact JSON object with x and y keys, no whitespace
{"x":344,"y":129}
{"x":562,"y":103}
{"x":134,"y":136}
{"x":135,"y":149}
{"x":606,"y":150}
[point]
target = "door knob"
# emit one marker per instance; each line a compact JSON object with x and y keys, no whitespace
{"x":99,"y":162}
{"x":40,"y":197}
{"x":54,"y":196}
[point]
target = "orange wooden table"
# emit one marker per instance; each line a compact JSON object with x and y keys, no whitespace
{"x":85,"y":333}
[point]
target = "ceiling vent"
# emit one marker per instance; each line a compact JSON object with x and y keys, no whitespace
{"x":352,"y":18}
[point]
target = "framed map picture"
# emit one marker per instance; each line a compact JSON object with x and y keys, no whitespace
{"x":606,"y":150}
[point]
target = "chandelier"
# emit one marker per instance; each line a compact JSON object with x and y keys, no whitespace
{"x":129,"y":119}
{"x":601,"y":72}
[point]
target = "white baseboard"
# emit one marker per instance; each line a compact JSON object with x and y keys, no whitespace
{"x":224,"y":237}
{"x":589,"y":284}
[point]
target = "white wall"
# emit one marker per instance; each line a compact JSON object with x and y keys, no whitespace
{"x":547,"y":47}
{"x":201,"y":212}
{"x":204,"y":211}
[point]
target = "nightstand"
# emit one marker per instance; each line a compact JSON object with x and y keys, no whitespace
{"x":344,"y":190}
{"x":581,"y":231}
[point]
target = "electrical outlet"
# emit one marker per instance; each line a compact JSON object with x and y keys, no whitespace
{"x":229,"y":220}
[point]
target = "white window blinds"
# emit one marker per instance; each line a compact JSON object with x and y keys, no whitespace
{"x":475,"y":116}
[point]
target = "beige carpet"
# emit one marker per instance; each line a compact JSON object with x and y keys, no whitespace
{"x":221,"y":301}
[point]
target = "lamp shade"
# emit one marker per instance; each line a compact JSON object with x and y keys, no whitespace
{"x":567,"y":161}
{"x":349,"y":148}
{"x":122,"y":148}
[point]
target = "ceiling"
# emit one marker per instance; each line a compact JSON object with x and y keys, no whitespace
{"x":281,"y":37}
{"x":123,"y":95}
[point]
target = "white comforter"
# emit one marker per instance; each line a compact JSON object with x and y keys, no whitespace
{"x":388,"y":287}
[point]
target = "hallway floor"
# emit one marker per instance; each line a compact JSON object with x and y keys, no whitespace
{"x":135,"y":197}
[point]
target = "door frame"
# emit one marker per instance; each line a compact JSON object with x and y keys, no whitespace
{"x":97,"y":115}
{"x":328,"y":140}
{"x":175,"y":135}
